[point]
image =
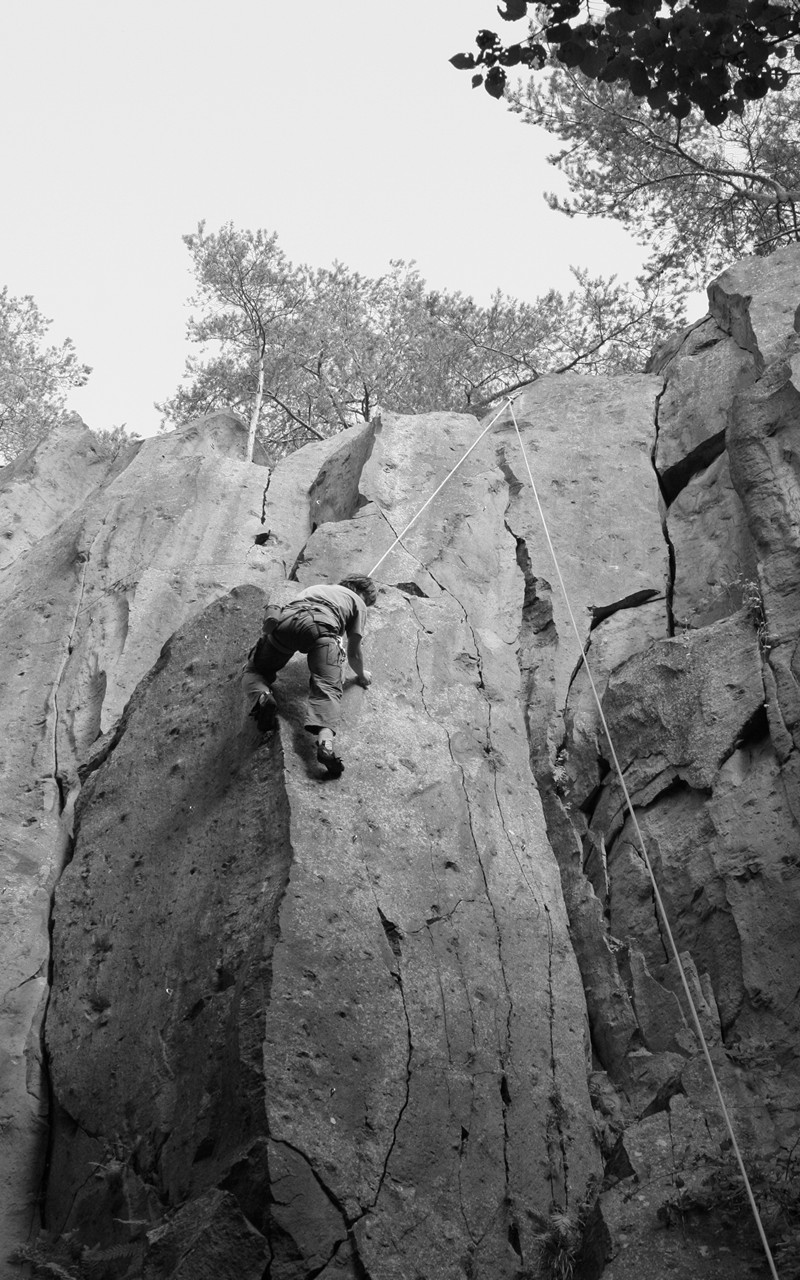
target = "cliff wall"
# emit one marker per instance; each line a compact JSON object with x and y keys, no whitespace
{"x":422,"y":1020}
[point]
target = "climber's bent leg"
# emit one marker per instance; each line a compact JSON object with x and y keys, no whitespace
{"x":263,"y":664}
{"x":253,"y":684}
{"x":325,"y":665}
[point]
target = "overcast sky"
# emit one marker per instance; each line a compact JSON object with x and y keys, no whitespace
{"x":341,"y":126}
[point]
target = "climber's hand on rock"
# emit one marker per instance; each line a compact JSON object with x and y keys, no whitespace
{"x":365,"y":679}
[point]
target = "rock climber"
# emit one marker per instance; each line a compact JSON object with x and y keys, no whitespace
{"x":315,"y":623}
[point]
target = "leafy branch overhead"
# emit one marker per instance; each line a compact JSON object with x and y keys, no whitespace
{"x":716,"y":55}
{"x":697,"y":197}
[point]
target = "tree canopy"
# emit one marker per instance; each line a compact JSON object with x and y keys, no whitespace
{"x":302,"y":353}
{"x":698,"y":196}
{"x":716,"y":55}
{"x":34,"y":378}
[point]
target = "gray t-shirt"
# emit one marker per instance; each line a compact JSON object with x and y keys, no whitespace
{"x":345,"y":609}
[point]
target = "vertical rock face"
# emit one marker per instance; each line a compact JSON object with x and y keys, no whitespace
{"x":425,"y":1020}
{"x":107,"y":558}
{"x":422,"y":1102}
{"x":704,"y":721}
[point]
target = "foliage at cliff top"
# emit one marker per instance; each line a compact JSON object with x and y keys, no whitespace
{"x":303,"y":353}
{"x":715,"y":55}
{"x":34,"y":378}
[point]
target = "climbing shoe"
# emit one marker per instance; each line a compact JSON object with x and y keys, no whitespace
{"x":264,"y":712}
{"x":328,"y":757}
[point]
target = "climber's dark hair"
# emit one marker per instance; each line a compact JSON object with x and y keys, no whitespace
{"x":362,"y":585}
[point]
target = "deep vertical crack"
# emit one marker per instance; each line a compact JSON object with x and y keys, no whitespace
{"x":406,"y":1099}
{"x":64,"y":859}
{"x":555,"y":1116}
{"x":264,"y":496}
{"x":537,"y":641}
{"x":465,"y":1132}
{"x":671,"y":562}
{"x":57,"y":776}
{"x":394,"y":938}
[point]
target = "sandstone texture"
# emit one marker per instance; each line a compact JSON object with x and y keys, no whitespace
{"x":96,"y":589}
{"x":426,"y":1020}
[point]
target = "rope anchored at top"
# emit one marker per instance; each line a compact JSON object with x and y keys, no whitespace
{"x":438,"y":490}
{"x":695,"y":1018}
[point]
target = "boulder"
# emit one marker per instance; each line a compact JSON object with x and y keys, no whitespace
{"x":716,"y":571}
{"x":756,"y":302}
{"x":702,"y":378}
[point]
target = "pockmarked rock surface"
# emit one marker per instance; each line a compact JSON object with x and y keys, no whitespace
{"x":90,"y":594}
{"x":755,"y":301}
{"x":423,"y":1092}
{"x":428,"y":1019}
{"x":715,"y":561}
{"x":695,"y":406}
{"x":49,"y":481}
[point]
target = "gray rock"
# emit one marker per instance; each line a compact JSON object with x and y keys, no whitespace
{"x":208,"y":1239}
{"x":608,"y":547}
{"x":702,"y":379}
{"x":756,"y":302}
{"x":715,"y":563}
{"x":46,"y":483}
{"x":404,"y":1079}
{"x":401,"y":1023}
{"x":764,"y":450}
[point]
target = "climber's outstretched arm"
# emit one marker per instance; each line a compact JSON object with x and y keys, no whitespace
{"x":356,"y":659}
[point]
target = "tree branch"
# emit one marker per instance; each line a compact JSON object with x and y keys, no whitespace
{"x":271,"y":395}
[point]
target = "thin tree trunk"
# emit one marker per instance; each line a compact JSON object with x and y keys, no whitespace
{"x":254,"y":416}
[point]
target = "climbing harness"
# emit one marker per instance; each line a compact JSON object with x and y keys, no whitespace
{"x":628,"y":804}
{"x":299,"y":627}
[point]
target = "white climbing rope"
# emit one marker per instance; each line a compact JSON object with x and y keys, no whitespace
{"x":628,"y":803}
{"x":648,"y":864}
{"x":437,"y":490}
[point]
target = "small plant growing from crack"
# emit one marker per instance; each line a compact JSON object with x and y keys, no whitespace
{"x":45,"y":1259}
{"x":67,"y":1259}
{"x":753,"y":601}
{"x":561,"y":1238}
{"x":740,"y":592}
{"x":559,"y":1243}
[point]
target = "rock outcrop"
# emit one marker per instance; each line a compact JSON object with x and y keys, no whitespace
{"x":424,"y":1020}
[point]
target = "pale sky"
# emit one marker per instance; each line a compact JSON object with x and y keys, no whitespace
{"x":341,"y":126}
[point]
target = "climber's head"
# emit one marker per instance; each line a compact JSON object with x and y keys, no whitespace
{"x":362,"y":585}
